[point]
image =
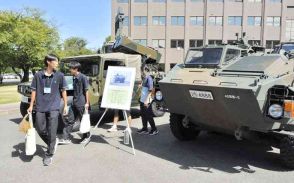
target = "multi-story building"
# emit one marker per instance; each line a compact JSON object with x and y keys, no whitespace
{"x":174,"y":26}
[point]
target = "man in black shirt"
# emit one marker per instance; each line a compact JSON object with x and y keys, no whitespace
{"x":47,"y":87}
{"x":80,"y":103}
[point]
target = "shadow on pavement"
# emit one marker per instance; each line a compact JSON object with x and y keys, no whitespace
{"x":108,"y":118}
{"x":19,"y":152}
{"x":209,"y":152}
{"x":16,"y":120}
{"x":95,"y":116}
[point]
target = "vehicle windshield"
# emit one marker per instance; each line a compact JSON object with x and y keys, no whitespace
{"x":89,"y":67}
{"x":288,"y":47}
{"x":204,"y":56}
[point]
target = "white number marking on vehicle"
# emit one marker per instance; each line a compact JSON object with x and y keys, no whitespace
{"x":201,"y":94}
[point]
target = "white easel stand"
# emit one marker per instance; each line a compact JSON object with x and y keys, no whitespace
{"x":128,"y":127}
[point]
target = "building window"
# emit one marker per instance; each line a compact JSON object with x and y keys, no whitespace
{"x":290,"y":30}
{"x":216,"y":0}
{"x":215,"y":21}
{"x":178,"y":20}
{"x":158,"y":43}
{"x":177,"y":43}
{"x":236,"y":1}
{"x":194,"y":43}
{"x":271,"y":43}
{"x":122,"y":1}
{"x":276,"y":1}
{"x":159,"y":1}
{"x":140,"y":20}
{"x":178,"y":1}
{"x":254,"y":42}
{"x":232,"y":41}
{"x":215,"y":42}
{"x":126,"y":21}
{"x":235,"y":20}
{"x":254,"y":21}
{"x":141,"y":41}
{"x":140,"y":1}
{"x":254,"y":1}
{"x":197,"y":1}
{"x":273,"y":21}
{"x":196,"y":20}
{"x":156,"y":20}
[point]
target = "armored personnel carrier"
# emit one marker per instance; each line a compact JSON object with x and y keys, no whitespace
{"x":223,"y":89}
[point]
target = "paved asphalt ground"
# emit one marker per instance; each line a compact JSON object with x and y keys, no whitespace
{"x":211,"y":158}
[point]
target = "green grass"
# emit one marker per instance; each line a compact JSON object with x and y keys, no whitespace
{"x":8,"y":94}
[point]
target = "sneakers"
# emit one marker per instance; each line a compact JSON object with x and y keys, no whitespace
{"x":112,"y":129}
{"x":47,"y":160}
{"x":153,"y":132}
{"x":85,"y":140}
{"x":143,"y":131}
{"x":64,"y":141}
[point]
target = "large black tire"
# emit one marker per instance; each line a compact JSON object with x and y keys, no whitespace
{"x":156,"y":112}
{"x":287,"y":151}
{"x":23,"y":108}
{"x":181,"y":132}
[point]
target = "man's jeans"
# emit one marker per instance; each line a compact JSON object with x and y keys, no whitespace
{"x":46,"y":125}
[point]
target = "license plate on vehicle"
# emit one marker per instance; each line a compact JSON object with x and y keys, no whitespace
{"x":207,"y":95}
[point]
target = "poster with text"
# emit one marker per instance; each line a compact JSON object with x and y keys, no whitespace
{"x":118,"y":89}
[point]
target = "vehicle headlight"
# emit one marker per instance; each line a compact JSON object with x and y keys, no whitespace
{"x":275,"y":111}
{"x":158,"y":95}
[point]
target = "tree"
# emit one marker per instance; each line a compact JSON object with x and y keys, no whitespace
{"x":3,"y":66}
{"x":25,"y":38}
{"x":107,"y":39}
{"x":75,"y":46}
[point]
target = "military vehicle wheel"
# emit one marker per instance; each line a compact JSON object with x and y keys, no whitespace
{"x":155,"y":110}
{"x":181,"y":129}
{"x":287,"y":151}
{"x":23,"y":108}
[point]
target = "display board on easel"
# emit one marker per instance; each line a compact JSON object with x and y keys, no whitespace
{"x":118,"y":92}
{"x":118,"y":89}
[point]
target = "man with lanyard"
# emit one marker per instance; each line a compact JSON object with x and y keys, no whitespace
{"x":47,"y":87}
{"x":146,"y":114}
{"x":80,"y":103}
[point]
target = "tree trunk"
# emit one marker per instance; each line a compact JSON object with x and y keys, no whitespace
{"x":26,"y":73}
{"x":17,"y":73}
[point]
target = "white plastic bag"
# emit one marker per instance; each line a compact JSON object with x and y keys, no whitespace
{"x":30,"y":142}
{"x":85,"y":123}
